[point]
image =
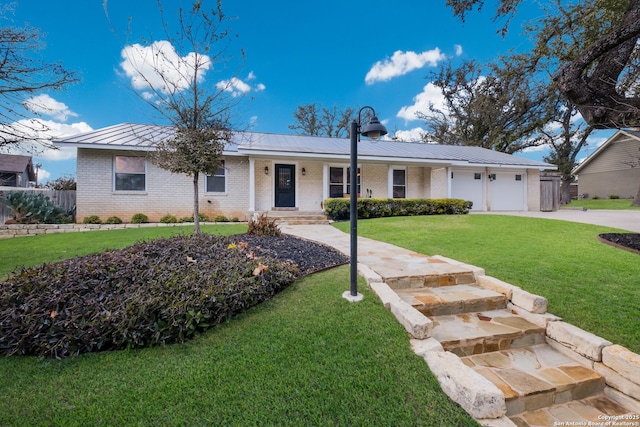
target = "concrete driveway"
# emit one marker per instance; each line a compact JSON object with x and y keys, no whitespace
{"x":625,"y":220}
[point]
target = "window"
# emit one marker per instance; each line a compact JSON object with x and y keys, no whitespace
{"x":518,"y":177}
{"x":338,"y":185}
{"x":477,"y":175}
{"x":130,"y":173}
{"x":399,"y":183}
{"x":336,"y":182}
{"x":217,"y":182}
{"x":349,"y":180}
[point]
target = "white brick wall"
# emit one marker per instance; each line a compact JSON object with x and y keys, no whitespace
{"x":439,"y":183}
{"x":165,"y":193}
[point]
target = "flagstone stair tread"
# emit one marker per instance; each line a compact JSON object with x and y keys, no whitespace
{"x":535,"y":376}
{"x":486,"y":331}
{"x":452,"y":299}
{"x":596,"y":410}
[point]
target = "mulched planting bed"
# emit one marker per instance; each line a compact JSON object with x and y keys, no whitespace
{"x":628,"y":241}
{"x":308,"y":256}
{"x":151,"y":293}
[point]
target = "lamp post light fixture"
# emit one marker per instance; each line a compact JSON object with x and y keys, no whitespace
{"x":374,"y":130}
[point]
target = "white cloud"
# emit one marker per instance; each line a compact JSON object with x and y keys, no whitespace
{"x":409,"y":135}
{"x":234,"y":85}
{"x":458,"y":49}
{"x":430,"y":95}
{"x":46,"y":105}
{"x":402,"y":63}
{"x":43,"y":175}
{"x":43,"y":130}
{"x":159,"y":66}
{"x":260,"y":87}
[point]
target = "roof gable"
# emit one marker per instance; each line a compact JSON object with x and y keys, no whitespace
{"x":17,"y":164}
{"x":620,"y":134}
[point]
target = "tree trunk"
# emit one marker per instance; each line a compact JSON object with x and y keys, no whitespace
{"x":565,"y":192}
{"x":636,"y":200}
{"x":196,"y":206}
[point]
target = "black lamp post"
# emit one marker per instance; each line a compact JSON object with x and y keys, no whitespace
{"x":374,"y":129}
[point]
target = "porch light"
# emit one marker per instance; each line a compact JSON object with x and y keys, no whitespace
{"x":266,"y":170}
{"x":304,"y":171}
{"x":374,"y":130}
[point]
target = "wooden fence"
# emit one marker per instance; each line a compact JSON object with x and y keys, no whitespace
{"x":66,"y":199}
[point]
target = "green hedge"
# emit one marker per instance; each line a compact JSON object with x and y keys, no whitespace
{"x":339,"y":209}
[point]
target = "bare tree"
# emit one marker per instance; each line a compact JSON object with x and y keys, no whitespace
{"x":22,"y":75}
{"x":171,"y":79}
{"x":315,"y":120}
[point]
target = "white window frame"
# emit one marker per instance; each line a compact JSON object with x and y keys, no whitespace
{"x":115,"y":174}
{"x":390,"y":182}
{"x":223,"y":176}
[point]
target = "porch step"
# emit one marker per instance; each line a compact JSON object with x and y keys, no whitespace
{"x":590,"y":411}
{"x":452,"y":299}
{"x":536,"y":377}
{"x":467,"y":334}
{"x":295,"y":217}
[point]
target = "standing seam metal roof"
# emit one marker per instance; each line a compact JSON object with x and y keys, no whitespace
{"x":145,"y":137}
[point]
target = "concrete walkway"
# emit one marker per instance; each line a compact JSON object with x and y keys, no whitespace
{"x":625,"y":220}
{"x":492,"y":346}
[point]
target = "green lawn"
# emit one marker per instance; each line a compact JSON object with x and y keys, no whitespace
{"x":34,"y":250}
{"x":611,"y":204}
{"x":305,"y":358}
{"x":591,"y":285}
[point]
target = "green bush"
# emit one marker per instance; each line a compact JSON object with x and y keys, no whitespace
{"x":263,"y":226}
{"x":235,"y":219}
{"x":202,"y":217}
{"x":339,"y":209}
{"x":92,"y":219}
{"x":614,"y":196}
{"x":151,"y":293}
{"x":35,"y":208}
{"x":139,"y":218}
{"x":168,"y":219}
{"x":113,"y":220}
{"x":221,"y":218}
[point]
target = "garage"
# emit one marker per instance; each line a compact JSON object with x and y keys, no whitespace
{"x":469,"y":185}
{"x":507,"y":191}
{"x":503,"y":191}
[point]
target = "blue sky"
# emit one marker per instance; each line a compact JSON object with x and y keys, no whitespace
{"x":344,"y":53}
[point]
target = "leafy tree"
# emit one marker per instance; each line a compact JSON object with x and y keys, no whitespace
{"x":596,"y":73}
{"x":316,"y":120}
{"x":566,"y":135}
{"x":499,"y":107}
{"x":174,"y":86}
{"x":23,"y":74}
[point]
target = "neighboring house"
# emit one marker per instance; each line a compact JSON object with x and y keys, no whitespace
{"x":16,"y":171}
{"x":613,"y":169}
{"x":262,"y":172}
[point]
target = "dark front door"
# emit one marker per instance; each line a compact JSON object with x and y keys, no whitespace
{"x":285,"y":186}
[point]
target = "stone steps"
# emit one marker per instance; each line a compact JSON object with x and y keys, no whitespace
{"x":452,"y":299}
{"x":467,"y":334}
{"x":594,"y":410}
{"x":481,"y":325}
{"x":293,"y":217}
{"x":536,"y":377}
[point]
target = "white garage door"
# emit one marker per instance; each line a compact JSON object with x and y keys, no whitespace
{"x":468,"y":186}
{"x":508,"y":191}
